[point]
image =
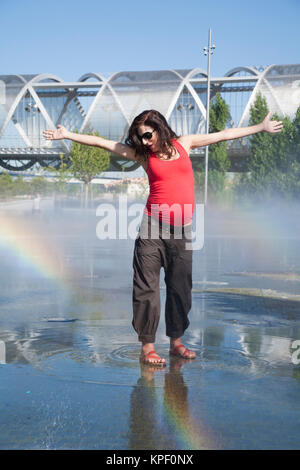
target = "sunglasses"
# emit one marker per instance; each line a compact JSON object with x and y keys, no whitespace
{"x":146,"y":135}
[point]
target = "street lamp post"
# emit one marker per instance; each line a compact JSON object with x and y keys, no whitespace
{"x":207,"y":51}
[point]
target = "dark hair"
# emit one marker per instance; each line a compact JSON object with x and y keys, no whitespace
{"x":158,"y":122}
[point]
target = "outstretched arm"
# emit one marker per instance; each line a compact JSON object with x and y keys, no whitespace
{"x":194,"y":141}
{"x":115,"y":147}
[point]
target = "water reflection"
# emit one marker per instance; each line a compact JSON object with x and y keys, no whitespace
{"x":169,"y":424}
{"x":144,"y":408}
{"x":188,"y":431}
{"x":242,"y":328}
{"x":28,"y":345}
{"x":165,"y":405}
{"x":31,"y":344}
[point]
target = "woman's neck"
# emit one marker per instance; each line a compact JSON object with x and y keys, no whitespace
{"x":164,"y":156}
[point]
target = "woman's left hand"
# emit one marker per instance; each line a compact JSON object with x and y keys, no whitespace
{"x":271,"y":126}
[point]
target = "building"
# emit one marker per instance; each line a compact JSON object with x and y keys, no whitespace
{"x":30,"y":104}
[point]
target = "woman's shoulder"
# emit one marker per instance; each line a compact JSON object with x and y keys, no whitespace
{"x":184,"y":142}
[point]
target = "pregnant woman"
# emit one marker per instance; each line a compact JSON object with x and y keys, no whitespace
{"x":166,"y":225}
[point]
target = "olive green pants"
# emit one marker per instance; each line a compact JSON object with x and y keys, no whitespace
{"x":150,"y":255}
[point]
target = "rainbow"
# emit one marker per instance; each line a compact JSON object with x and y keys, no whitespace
{"x":30,"y":244}
{"x":188,"y":433}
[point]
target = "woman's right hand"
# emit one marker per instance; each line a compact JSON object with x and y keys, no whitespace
{"x":57,"y":134}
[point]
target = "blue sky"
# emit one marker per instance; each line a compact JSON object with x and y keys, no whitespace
{"x":70,"y":38}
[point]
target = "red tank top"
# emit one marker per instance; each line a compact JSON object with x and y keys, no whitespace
{"x":171,"y":197}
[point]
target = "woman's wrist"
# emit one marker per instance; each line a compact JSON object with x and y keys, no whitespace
{"x":68,"y":135}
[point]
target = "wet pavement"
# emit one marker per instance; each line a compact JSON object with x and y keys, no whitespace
{"x":70,"y":376}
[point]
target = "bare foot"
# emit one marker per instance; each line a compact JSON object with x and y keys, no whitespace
{"x":150,"y":356}
{"x":178,"y":349}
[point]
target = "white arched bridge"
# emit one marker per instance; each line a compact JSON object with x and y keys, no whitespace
{"x":30,"y":104}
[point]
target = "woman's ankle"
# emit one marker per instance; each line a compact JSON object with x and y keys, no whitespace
{"x":146,"y":347}
{"x":175,"y":342}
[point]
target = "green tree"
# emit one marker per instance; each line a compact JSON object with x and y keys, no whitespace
{"x":282,"y":175}
{"x":87,"y":162}
{"x":261,"y":147}
{"x":218,"y":118}
{"x":218,"y":160}
{"x":62,"y":173}
{"x":6,"y":185}
{"x":39,"y":185}
{"x":256,"y":183}
{"x":295,"y":165}
{"x":21,"y":186}
{"x":274,"y":162}
{"x":296,"y":145}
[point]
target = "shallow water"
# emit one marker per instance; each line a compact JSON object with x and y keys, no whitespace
{"x":70,"y":376}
